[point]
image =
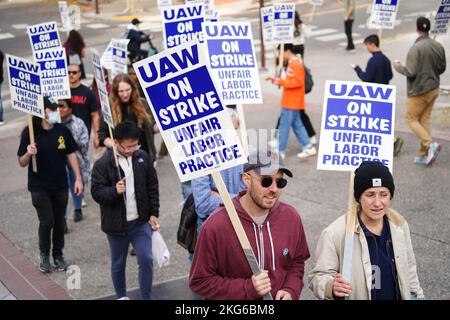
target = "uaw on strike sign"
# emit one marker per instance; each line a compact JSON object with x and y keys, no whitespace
{"x":357,"y":125}
{"x":232,"y":60}
{"x":190,"y":114}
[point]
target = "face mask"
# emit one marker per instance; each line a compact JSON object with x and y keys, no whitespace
{"x":53,"y":117}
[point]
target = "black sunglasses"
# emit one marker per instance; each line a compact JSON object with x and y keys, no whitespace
{"x":267,"y":182}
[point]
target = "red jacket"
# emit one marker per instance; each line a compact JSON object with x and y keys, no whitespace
{"x":219,"y":268}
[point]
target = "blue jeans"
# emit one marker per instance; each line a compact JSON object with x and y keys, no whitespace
{"x":76,"y":200}
{"x":291,"y":118}
{"x":140,"y":236}
{"x":1,"y":104}
{"x":186,"y":189}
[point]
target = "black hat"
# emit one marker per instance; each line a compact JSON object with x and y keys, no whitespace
{"x":372,"y":174}
{"x":135,"y":21}
{"x":265,"y":162}
{"x":50,"y":103}
{"x":423,"y":24}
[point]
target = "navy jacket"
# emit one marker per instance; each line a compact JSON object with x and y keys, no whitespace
{"x":378,"y":69}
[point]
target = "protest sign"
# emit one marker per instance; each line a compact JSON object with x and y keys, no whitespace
{"x":441,"y":18}
{"x":25,"y":86}
{"x":102,"y":92}
{"x":164,"y":3}
{"x":283,"y":22}
{"x":357,"y":125}
{"x":44,"y":36}
{"x":189,"y":112}
{"x":182,"y":24}
{"x":64,"y":12}
{"x":115,"y":57}
{"x":54,"y":80}
{"x":383,"y":14}
{"x":267,"y":24}
{"x":74,"y":13}
{"x":233,"y":62}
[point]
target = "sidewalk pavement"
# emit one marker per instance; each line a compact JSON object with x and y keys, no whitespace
{"x":420,"y":197}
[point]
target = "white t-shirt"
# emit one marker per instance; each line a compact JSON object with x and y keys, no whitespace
{"x":304,"y":32}
{"x":126,"y":163}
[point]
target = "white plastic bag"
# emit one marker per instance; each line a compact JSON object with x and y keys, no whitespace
{"x":160,"y":252}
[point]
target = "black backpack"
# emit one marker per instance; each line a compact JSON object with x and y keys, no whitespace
{"x":309,"y":83}
{"x":187,"y":230}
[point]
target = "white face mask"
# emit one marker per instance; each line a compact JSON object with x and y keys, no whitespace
{"x":53,"y":117}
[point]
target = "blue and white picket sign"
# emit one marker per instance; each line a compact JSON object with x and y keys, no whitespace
{"x":189,"y":112}
{"x":182,"y":24}
{"x":44,"y":36}
{"x":357,"y":125}
{"x":316,"y":2}
{"x":233,"y":61}
{"x":25,"y":86}
{"x":102,"y":92}
{"x":383,"y":15}
{"x":267,"y":24}
{"x":54,"y":76}
{"x":441,"y":18}
{"x":164,"y":3}
{"x":119,"y":56}
{"x":283,"y":22}
{"x":65,"y":19}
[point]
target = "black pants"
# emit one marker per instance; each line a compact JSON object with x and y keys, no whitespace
{"x":348,"y":32}
{"x":306,"y":122}
{"x":50,"y":210}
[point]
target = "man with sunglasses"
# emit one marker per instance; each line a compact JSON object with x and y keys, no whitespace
{"x":128,"y":204}
{"x":274,"y":230}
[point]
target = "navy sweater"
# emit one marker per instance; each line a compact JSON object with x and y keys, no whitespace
{"x":378,"y":69}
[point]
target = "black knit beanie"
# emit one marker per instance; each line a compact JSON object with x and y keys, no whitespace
{"x":372,"y":174}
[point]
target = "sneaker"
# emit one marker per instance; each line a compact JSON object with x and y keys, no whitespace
{"x":433,"y":152}
{"x":77,"y":215}
{"x":398,"y":144}
{"x":83,"y":203}
{"x":44,"y":264}
{"x":61,"y":264}
{"x":307,"y":153}
{"x":2,"y":123}
{"x":313,"y":140}
{"x":420,"y":161}
{"x":124,"y":298}
{"x":66,"y":229}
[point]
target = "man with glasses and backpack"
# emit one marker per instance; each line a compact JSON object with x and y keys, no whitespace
{"x":274,"y":229}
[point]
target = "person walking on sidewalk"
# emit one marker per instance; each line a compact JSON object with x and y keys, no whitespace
{"x":378,"y":70}
{"x":76,"y":50}
{"x":383,"y":262}
{"x":53,"y":149}
{"x":301,"y":31}
{"x":81,"y":136}
{"x":292,"y":101}
{"x":275,"y":232}
{"x":129,"y":206}
{"x":424,"y":64}
{"x":349,"y":18}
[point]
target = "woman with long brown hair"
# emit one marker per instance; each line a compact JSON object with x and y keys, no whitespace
{"x":127,"y":105}
{"x":75,"y":50}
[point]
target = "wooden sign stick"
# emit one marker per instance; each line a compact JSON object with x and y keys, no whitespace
{"x":349,"y":232}
{"x":116,"y":161}
{"x":31,"y":132}
{"x":242,"y":127}
{"x":237,"y":226}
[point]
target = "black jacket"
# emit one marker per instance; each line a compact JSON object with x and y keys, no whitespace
{"x":136,"y":38}
{"x":112,"y":206}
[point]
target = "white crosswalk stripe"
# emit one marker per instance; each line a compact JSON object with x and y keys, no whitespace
{"x":21,"y":26}
{"x":6,"y":36}
{"x":320,"y":32}
{"x":355,"y":41}
{"x":97,"y":26}
{"x":336,"y":36}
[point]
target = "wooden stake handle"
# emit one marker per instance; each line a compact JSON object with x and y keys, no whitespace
{"x":237,"y":226}
{"x":32,"y":141}
{"x":349,"y":232}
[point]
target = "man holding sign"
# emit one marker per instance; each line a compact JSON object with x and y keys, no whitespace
{"x":274,"y":229}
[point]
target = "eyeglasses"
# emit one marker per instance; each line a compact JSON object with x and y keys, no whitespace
{"x":130,"y":149}
{"x":267,"y":182}
{"x":73,"y":72}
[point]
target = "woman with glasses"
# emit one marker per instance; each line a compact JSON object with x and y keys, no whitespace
{"x":274,"y":229}
{"x":127,"y":105}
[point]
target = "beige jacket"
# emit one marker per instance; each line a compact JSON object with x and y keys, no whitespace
{"x":328,"y":260}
